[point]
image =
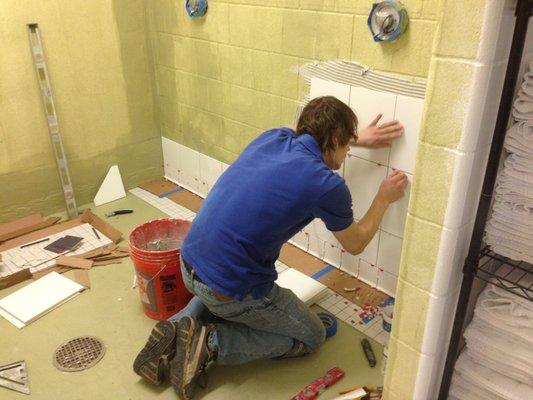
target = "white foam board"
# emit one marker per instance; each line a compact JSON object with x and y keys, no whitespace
{"x":305,"y":288}
{"x":111,"y":189}
{"x":39,"y":297}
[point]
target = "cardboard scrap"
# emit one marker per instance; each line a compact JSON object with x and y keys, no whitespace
{"x":74,"y":262}
{"x":187,"y":199}
{"x":106,"y":262}
{"x":81,"y":276}
{"x":159,"y":186}
{"x":13,"y":279}
{"x":21,"y":226}
{"x":300,"y":260}
{"x":364,"y":295}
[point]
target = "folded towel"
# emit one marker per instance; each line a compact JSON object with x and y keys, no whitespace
{"x":509,"y":235}
{"x":505,"y":316}
{"x":499,"y":292}
{"x":465,"y":389}
{"x":523,"y":107}
{"x":519,"y":139}
{"x":513,"y":213}
{"x":492,"y":381}
{"x":519,"y":167}
{"x":498,"y":345}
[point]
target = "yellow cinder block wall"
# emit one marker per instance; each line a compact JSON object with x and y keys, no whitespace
{"x":225,"y":78}
{"x":101,"y":71}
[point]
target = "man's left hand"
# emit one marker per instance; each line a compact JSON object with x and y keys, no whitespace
{"x":376,"y":136}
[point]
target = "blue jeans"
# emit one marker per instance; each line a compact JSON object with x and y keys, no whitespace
{"x":276,"y":325}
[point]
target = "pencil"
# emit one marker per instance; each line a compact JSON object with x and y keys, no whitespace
{"x":32,"y":243}
{"x":96,"y":234}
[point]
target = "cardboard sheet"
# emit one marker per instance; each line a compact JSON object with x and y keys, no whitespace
{"x":74,"y":262}
{"x":81,"y":276}
{"x":159,"y":187}
{"x":363,"y":295}
{"x":300,"y":260}
{"x":19,"y":227}
{"x":187,"y":199}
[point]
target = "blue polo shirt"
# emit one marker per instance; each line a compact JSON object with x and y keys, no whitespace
{"x":277,"y":186}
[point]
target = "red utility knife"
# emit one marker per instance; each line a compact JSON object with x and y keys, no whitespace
{"x":318,"y":386}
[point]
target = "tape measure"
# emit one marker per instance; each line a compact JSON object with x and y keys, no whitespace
{"x":196,"y":8}
{"x":387,"y":20}
{"x":330,"y":323}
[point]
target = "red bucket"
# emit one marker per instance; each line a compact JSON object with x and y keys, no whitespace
{"x":155,"y":251}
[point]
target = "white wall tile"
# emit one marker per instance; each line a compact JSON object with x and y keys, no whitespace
{"x":370,"y":253}
{"x":322,"y":87}
{"x":394,"y":219}
{"x":482,"y":106}
{"x":332,"y":254}
{"x":389,"y":252}
{"x":189,"y":166}
{"x":387,"y":282}
{"x":367,"y":104}
{"x":497,"y":31}
{"x":425,"y":388}
{"x":210,"y":171}
{"x":350,"y":263}
{"x":318,"y":229}
{"x":403,"y":151}
{"x":467,"y":180}
{"x":453,"y":250}
{"x":363,"y":179}
{"x":316,"y":246}
{"x":170,"y":158}
{"x":301,"y":240}
{"x":368,"y":273}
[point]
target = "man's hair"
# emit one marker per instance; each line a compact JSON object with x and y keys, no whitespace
{"x":326,"y":118}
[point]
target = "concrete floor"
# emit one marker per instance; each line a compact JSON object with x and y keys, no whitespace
{"x":111,"y":310}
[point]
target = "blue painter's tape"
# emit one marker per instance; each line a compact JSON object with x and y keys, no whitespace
{"x":322,"y":272}
{"x":166,"y":194}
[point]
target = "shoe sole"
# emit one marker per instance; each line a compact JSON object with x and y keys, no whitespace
{"x":150,"y":357}
{"x":182,"y":355}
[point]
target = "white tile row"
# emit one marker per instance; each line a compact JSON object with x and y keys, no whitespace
{"x":367,"y":104}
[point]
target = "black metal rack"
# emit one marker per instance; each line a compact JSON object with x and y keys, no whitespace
{"x":483,"y":263}
{"x":505,"y":273}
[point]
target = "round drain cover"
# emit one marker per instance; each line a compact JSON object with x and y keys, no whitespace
{"x":79,"y":353}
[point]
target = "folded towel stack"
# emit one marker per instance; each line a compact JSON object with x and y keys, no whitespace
{"x":510,"y":227}
{"x":497,"y":363}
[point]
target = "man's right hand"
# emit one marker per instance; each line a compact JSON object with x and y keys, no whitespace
{"x":392,"y":188}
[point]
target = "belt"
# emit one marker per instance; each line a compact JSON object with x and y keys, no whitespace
{"x":195,"y":277}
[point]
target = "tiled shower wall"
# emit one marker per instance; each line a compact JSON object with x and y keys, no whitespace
{"x":363,"y":170}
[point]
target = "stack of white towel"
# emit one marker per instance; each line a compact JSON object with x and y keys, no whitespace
{"x":497,"y":363}
{"x":509,"y":231}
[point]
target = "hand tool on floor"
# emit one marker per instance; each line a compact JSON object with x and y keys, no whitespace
{"x":14,"y":376}
{"x":319,"y":385}
{"x":119,"y":212}
{"x":369,"y":353}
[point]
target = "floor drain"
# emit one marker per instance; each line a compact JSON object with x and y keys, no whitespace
{"x":79,"y":353}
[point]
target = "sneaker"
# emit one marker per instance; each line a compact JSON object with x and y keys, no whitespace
{"x":192,"y":357}
{"x":153,"y":360}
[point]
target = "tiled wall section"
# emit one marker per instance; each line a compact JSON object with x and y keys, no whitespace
{"x":364,"y":170}
{"x":225,"y":78}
